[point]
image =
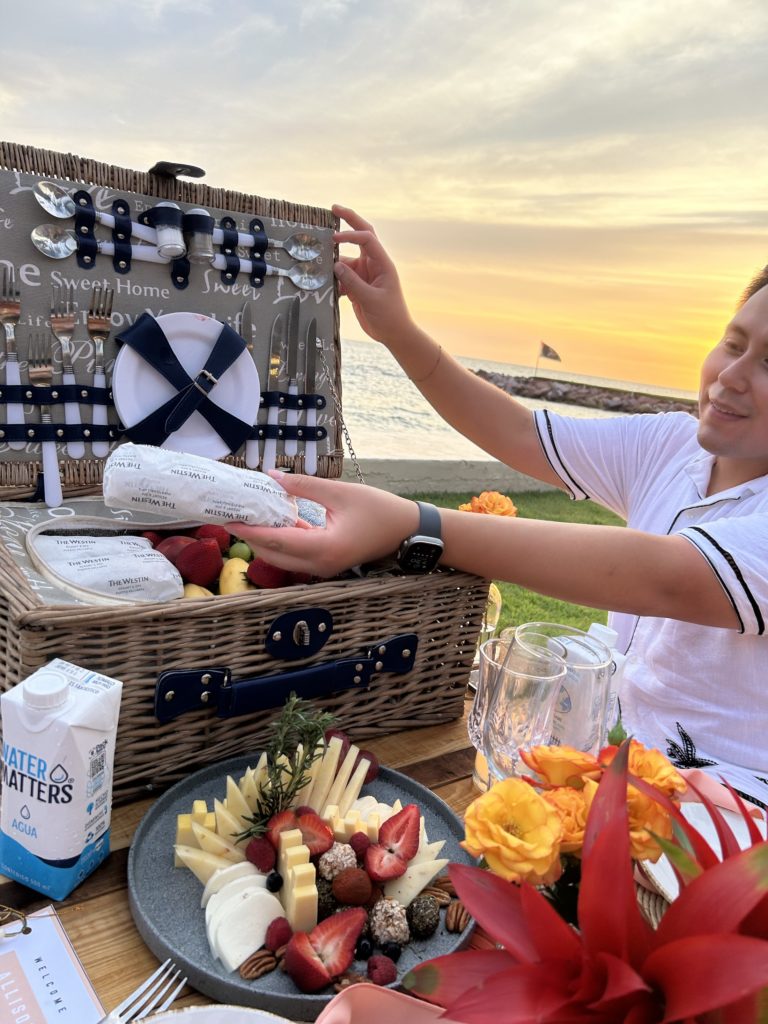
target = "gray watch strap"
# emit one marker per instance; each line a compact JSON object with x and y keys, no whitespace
{"x":429,"y":520}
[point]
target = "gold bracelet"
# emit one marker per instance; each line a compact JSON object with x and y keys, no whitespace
{"x":420,"y":380}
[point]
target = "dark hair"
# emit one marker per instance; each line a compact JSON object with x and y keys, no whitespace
{"x":760,"y":280}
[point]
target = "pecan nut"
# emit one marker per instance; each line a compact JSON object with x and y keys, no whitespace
{"x":350,"y":978}
{"x":257,"y":965}
{"x":443,"y":898}
{"x":457,"y":917}
{"x":444,"y":882}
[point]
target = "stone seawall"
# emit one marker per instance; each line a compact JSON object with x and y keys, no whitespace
{"x":589,"y":396}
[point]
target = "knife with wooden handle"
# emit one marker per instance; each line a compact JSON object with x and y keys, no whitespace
{"x":247,"y":334}
{"x":292,"y":415}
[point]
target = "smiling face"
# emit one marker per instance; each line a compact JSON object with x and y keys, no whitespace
{"x":733,"y":397}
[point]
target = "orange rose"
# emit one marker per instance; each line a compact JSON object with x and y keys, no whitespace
{"x":650,"y":765}
{"x":572,"y":808}
{"x":561,"y":766}
{"x":490,"y":503}
{"x":516,"y":831}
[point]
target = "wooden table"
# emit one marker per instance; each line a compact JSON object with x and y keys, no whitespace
{"x":96,"y":915}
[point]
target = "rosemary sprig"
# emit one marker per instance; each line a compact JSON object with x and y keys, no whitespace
{"x":291,"y":751}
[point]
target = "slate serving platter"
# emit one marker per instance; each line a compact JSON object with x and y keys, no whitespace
{"x":165,"y":901}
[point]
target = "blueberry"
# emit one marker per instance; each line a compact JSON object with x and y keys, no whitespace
{"x":363,"y":949}
{"x":274,"y":881}
{"x":392,"y":950}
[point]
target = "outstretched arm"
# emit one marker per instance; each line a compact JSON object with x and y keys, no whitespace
{"x":602,"y":566}
{"x":479,"y":410}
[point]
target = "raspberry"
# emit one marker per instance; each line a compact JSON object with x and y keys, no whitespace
{"x":261,"y":853}
{"x":359,"y":843}
{"x":278,"y":933}
{"x":381,"y":970}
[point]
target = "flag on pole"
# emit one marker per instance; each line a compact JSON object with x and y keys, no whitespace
{"x":547,"y":352}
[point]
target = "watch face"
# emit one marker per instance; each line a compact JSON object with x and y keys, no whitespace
{"x":420,"y":556}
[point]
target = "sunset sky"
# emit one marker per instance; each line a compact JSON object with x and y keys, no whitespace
{"x":589,"y":174}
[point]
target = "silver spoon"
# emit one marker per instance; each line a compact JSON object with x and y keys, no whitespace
{"x":59,"y":242}
{"x":56,"y":201}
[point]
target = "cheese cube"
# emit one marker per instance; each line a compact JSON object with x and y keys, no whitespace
{"x":300,"y":901}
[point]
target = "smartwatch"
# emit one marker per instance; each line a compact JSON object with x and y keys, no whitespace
{"x":420,"y":553}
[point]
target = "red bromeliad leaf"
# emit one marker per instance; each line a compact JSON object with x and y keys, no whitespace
{"x":701,"y":973}
{"x":683,"y":864}
{"x":553,"y":938}
{"x":607,"y":868}
{"x":756,"y":921}
{"x":446,"y":978}
{"x":688,"y":837}
{"x":755,"y":835}
{"x":719,"y":899}
{"x":729,"y":844}
{"x":521,"y":995}
{"x":498,"y":906}
{"x":619,"y":986}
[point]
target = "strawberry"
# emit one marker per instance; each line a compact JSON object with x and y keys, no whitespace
{"x":283,"y":821}
{"x":215,"y":531}
{"x":172,"y":546}
{"x":398,"y":843}
{"x":261,"y":853}
{"x":303,"y":965}
{"x":315,"y":834}
{"x":278,"y":933}
{"x":262,"y":574}
{"x":200,"y":562}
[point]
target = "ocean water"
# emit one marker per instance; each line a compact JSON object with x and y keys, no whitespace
{"x":388,"y":418}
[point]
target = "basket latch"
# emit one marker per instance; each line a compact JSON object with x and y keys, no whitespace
{"x":180,"y":691}
{"x":299,"y":634}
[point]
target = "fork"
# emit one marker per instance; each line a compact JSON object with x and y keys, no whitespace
{"x":63,"y":314}
{"x":10,"y":311}
{"x":41,"y":373}
{"x":145,"y":998}
{"x":99,"y":326}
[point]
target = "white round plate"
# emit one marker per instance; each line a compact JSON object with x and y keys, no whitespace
{"x":138,"y":389}
{"x":662,"y":874}
{"x":217,"y":1015}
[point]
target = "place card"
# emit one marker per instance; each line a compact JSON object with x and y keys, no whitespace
{"x":41,"y":977}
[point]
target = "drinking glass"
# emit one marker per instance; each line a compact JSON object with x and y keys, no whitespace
{"x":580,"y":714}
{"x":490,"y":621}
{"x":514,"y":703}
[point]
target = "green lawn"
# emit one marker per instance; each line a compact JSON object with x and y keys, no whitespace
{"x":522,"y":605}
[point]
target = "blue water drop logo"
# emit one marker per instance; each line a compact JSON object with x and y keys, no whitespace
{"x":25,"y":813}
{"x":59,"y":774}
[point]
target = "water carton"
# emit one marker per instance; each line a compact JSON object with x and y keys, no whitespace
{"x":58,"y":747}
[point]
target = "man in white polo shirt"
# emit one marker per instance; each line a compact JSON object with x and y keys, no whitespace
{"x":686,"y":581}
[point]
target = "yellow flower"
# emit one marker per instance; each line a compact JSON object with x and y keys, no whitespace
{"x":561,"y":766}
{"x":645,"y":816}
{"x":490,"y":503}
{"x":517,"y":832}
{"x":572,"y":808}
{"x":652,"y":766}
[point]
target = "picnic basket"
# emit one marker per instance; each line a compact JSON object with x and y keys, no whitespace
{"x":203,"y":679}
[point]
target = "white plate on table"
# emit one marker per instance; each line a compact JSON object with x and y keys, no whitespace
{"x":138,"y":389}
{"x":217,"y":1015}
{"x":165,"y":901}
{"x":662,"y":873}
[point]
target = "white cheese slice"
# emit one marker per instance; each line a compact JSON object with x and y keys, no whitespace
{"x":428,"y":851}
{"x":220,"y":878}
{"x":212,"y":843}
{"x":325,"y":776}
{"x":242,"y":929}
{"x":227,"y":825}
{"x":355,"y":784}
{"x":408,"y":886}
{"x":201,"y":863}
{"x":342,"y":776}
{"x":304,"y":795}
{"x":236,"y":804}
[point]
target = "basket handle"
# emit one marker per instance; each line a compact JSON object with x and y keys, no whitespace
{"x":179,"y":691}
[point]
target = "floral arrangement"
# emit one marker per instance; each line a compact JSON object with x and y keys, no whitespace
{"x":490,"y":503}
{"x":706,"y":962}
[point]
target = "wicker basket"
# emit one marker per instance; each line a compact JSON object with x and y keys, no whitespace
{"x":442,"y":611}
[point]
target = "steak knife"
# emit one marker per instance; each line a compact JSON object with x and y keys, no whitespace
{"x":310,"y":444}
{"x":276,"y":346}
{"x":290,"y":446}
{"x":247,"y":334}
